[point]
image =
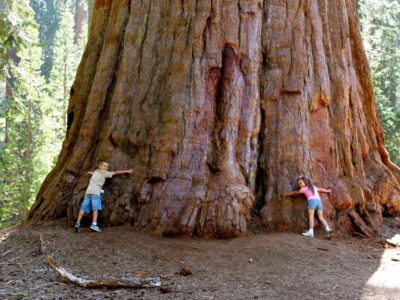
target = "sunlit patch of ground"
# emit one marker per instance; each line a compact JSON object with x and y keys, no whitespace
{"x":385,"y":282}
{"x":4,"y":233}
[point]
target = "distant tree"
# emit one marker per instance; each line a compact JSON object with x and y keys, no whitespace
{"x":47,"y":15}
{"x":80,"y":7}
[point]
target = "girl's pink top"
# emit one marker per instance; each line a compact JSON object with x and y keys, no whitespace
{"x":309,"y":194}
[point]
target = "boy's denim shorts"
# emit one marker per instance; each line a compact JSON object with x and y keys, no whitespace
{"x":315,"y":204}
{"x":91,"y":203}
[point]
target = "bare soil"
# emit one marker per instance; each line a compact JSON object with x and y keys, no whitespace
{"x":260,"y":265}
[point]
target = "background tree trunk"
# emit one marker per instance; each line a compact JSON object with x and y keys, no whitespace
{"x":218,"y":106}
{"x":80,"y":16}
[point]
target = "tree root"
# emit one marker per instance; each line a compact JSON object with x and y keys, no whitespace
{"x":359,"y":222}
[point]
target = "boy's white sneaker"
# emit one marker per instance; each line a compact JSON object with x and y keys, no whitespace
{"x":309,"y":233}
{"x":94,"y":227}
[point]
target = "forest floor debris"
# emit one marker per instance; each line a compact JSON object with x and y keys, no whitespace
{"x":282,"y":266}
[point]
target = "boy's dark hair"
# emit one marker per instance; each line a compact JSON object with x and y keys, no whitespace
{"x":100,"y":162}
{"x":307,"y":182}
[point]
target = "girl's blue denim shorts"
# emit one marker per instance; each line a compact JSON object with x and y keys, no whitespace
{"x":315,"y":204}
{"x":91,"y":203}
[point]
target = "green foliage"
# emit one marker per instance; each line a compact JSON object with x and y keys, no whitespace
{"x":16,"y":25}
{"x":47,"y":15}
{"x":20,"y":175}
{"x":66,"y":57}
{"x":380,"y":23}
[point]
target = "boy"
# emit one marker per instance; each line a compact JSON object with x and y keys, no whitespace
{"x":92,"y":200}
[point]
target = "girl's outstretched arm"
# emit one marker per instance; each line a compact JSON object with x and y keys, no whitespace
{"x":90,"y":173}
{"x":321,"y":190}
{"x":295,"y":193}
{"x":123,"y":172}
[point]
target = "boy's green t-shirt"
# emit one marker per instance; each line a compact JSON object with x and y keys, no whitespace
{"x":97,"y":181}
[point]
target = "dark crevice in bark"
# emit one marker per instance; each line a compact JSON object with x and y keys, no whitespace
{"x":214,"y":94}
{"x":206,"y":32}
{"x":261,"y":182}
{"x":239,"y":10}
{"x":146,"y":24}
{"x":70,"y":119}
{"x":260,"y":190}
{"x":155,"y":179}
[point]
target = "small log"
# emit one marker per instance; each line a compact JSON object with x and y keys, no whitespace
{"x":134,"y":282}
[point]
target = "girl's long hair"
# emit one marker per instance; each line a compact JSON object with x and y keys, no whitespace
{"x":307,"y":182}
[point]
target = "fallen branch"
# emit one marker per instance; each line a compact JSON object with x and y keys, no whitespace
{"x":5,"y":253}
{"x":43,"y":246}
{"x":134,"y":282}
{"x":392,"y":244}
{"x":323,"y":249}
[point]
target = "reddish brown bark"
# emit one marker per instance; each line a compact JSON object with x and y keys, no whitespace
{"x":218,"y":106}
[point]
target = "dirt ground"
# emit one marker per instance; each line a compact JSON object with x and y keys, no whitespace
{"x":260,"y":265}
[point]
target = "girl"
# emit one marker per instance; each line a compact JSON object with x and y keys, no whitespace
{"x":314,"y":203}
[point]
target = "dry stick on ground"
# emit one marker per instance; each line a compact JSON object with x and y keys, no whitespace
{"x":43,"y":246}
{"x":388,"y":244}
{"x":133,"y":282}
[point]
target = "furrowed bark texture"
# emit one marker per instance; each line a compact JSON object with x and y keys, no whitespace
{"x":218,"y":106}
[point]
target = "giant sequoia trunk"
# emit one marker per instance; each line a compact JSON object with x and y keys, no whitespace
{"x":218,"y":105}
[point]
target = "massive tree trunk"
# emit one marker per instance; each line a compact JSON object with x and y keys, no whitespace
{"x":218,"y":106}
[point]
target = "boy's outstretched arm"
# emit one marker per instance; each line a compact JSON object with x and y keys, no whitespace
{"x":295,"y":193}
{"x":322,"y":190}
{"x":90,"y":173}
{"x":123,"y":172}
